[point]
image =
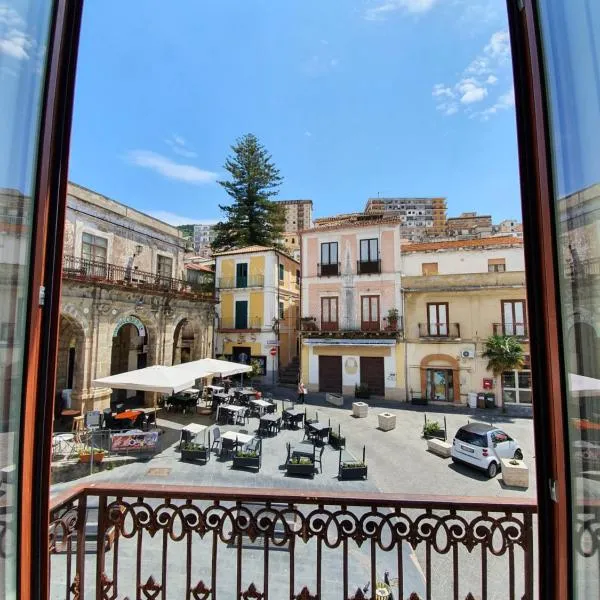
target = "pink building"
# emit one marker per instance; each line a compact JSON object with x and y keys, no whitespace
{"x":351,"y":306}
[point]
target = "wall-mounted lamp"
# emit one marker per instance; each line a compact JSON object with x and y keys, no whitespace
{"x":138,"y":250}
{"x":139,"y":303}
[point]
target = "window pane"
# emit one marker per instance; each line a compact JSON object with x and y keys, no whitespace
{"x":519,"y":312}
{"x":524,"y":379}
{"x":373,"y":250}
{"x":325,"y":310}
{"x":333,"y":253}
{"x":442,"y":313}
{"x":364,"y":250}
{"x":24,"y":28}
{"x":525,"y":397}
{"x":508,"y":315}
{"x":365,"y":308}
{"x":324,"y":254}
{"x":509,"y":396}
{"x":333,"y":308}
{"x":508,"y":379}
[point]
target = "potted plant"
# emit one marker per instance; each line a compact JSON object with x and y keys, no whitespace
{"x":353,"y":470}
{"x":300,"y":465}
{"x":504,"y":353}
{"x":87,"y":455}
{"x":193,"y":451}
{"x":392,"y":320}
{"x":336,"y":440}
{"x":432,"y":429}
{"x":308,"y":323}
{"x":247,"y":459}
{"x":361,"y":391}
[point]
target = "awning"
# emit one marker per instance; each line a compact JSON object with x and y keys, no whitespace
{"x":210,"y":366}
{"x":158,"y":378}
{"x":581,"y":383}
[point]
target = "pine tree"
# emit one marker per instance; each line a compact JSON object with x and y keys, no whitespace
{"x":252,"y":218}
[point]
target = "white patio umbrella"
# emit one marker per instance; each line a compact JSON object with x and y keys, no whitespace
{"x":581,"y":383}
{"x":158,"y":378}
{"x":206,"y":367}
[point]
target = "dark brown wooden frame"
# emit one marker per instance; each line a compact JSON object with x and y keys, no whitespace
{"x":553,"y":483}
{"x":371,"y":324}
{"x":330,"y":325}
{"x":515,"y":323}
{"x":437,"y":323}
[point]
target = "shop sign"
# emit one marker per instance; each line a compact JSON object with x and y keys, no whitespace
{"x":130,"y":320}
{"x":134,"y":442}
{"x":488,"y":384}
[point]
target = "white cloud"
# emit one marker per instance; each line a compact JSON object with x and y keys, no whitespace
{"x":476,"y":14}
{"x":14,"y":41}
{"x":483,"y":71}
{"x":179,"y":146}
{"x":504,"y":102}
{"x":175,"y":220}
{"x":168,"y":168}
{"x":384,"y":8}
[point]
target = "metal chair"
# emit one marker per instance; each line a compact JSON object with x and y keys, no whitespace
{"x":227,"y":446}
{"x":216,"y":437}
{"x":242,"y":416}
{"x":93,"y":419}
{"x":318,"y":459}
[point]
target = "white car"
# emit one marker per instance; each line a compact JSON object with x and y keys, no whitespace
{"x":482,"y":446}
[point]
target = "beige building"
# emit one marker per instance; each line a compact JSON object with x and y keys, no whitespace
{"x":298,"y":216}
{"x":258,"y":293}
{"x":126,"y":303}
{"x":456,"y":295}
{"x":469,"y":224}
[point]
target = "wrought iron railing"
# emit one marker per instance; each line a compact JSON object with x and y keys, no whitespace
{"x":233,"y":324}
{"x":82,"y":269}
{"x":328,"y":269}
{"x":511,"y":329}
{"x":439,"y":330}
{"x":154,"y":541}
{"x":383,"y":327}
{"x":368,"y":267}
{"x":230,"y":283}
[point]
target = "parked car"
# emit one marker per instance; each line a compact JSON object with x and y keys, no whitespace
{"x":482,"y":446}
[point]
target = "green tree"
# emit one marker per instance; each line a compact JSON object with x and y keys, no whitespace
{"x":504,"y":353}
{"x":252,"y":218}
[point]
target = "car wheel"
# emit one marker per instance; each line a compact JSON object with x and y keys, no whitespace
{"x":518,"y":455}
{"x":492,"y":470}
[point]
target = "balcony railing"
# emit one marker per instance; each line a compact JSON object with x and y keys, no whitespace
{"x":380,"y":328}
{"x":232,"y":283}
{"x":328,"y":270}
{"x":368,"y":267}
{"x":439,"y":330}
{"x":511,"y":329}
{"x":157,"y":541}
{"x":81,"y":269}
{"x":228,"y":324}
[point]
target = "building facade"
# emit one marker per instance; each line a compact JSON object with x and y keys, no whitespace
{"x":258,"y":294}
{"x":418,"y":216}
{"x":469,"y":224}
{"x":203,"y":237}
{"x":351,"y":307}
{"x":125,"y":301}
{"x":456,"y":295}
{"x":298,"y":216}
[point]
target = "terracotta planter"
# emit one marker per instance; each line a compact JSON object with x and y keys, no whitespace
{"x":96,"y":457}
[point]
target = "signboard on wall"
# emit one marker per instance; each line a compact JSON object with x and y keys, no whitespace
{"x":130,"y":320}
{"x":488,"y":383}
{"x":134,"y":442}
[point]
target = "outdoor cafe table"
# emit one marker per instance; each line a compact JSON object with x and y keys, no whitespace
{"x":193,"y":428}
{"x":130,"y":415}
{"x":302,"y":450}
{"x":320,"y":430}
{"x":260,"y":405}
{"x":215,"y":388}
{"x":192,"y":392}
{"x":240,"y":438}
{"x":231,"y":408}
{"x":296,"y":415}
{"x":271,"y":420}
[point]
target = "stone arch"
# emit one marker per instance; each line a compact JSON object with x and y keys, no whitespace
{"x":443,"y":361}
{"x":71,"y":360}
{"x":185,"y":334}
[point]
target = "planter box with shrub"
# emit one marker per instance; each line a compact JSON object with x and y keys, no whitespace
{"x":300,"y":466}
{"x":432,"y":429}
{"x":246,"y":460}
{"x":350,"y":471}
{"x":192,"y":451}
{"x":361,"y":391}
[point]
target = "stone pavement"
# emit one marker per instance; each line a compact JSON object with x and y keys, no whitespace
{"x":398,"y":463}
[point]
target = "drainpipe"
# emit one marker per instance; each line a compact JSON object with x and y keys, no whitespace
{"x":404,"y":335}
{"x":278,"y":322}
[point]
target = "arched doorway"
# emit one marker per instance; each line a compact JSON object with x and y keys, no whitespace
{"x":183,"y":342}
{"x":129,"y":352}
{"x":440,"y":378}
{"x":70,"y":367}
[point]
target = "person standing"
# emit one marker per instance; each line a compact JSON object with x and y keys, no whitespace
{"x":301,"y":392}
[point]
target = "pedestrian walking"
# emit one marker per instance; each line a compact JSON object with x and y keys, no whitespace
{"x":301,"y":392}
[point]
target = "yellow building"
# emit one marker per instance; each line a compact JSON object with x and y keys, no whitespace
{"x":259,"y":296}
{"x":456,"y":295}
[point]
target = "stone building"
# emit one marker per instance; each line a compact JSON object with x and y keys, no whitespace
{"x":298,"y":216}
{"x":469,"y":224}
{"x":126,"y":302}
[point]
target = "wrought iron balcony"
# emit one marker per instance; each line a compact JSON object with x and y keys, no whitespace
{"x":439,"y":330}
{"x":328,"y":270}
{"x":357,"y":329}
{"x":232,"y":283}
{"x":518,"y":330}
{"x":232,"y":324}
{"x":80,"y":269}
{"x":368,"y":267}
{"x":151,"y":541}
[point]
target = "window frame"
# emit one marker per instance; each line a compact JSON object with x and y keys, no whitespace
{"x":515,"y":323}
{"x":94,"y":245}
{"x":369,"y":243}
{"x":329,"y":261}
{"x":370,"y":324}
{"x":329,"y":324}
{"x":438,"y":324}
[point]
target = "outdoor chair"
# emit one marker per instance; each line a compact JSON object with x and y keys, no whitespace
{"x":269,"y":410}
{"x":227,"y":447}
{"x":93,"y":419}
{"x":308,"y":432}
{"x":186,"y":436}
{"x":106,"y":418}
{"x":263,"y":428}
{"x":318,"y":459}
{"x":216,"y":437}
{"x":242,"y":417}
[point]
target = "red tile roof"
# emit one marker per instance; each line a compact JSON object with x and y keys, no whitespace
{"x":457,"y":244}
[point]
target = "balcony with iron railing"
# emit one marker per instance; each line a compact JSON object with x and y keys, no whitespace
{"x":368,"y":267}
{"x":80,"y":269}
{"x":328,"y":269}
{"x":117,"y":541}
{"x":383,"y":328}
{"x":233,"y":283}
{"x":518,"y":330}
{"x":448,"y":331}
{"x":232,"y":324}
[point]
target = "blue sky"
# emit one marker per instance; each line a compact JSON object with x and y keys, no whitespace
{"x":352,"y":98}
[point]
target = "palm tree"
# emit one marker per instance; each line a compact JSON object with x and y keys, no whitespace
{"x":504,"y":353}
